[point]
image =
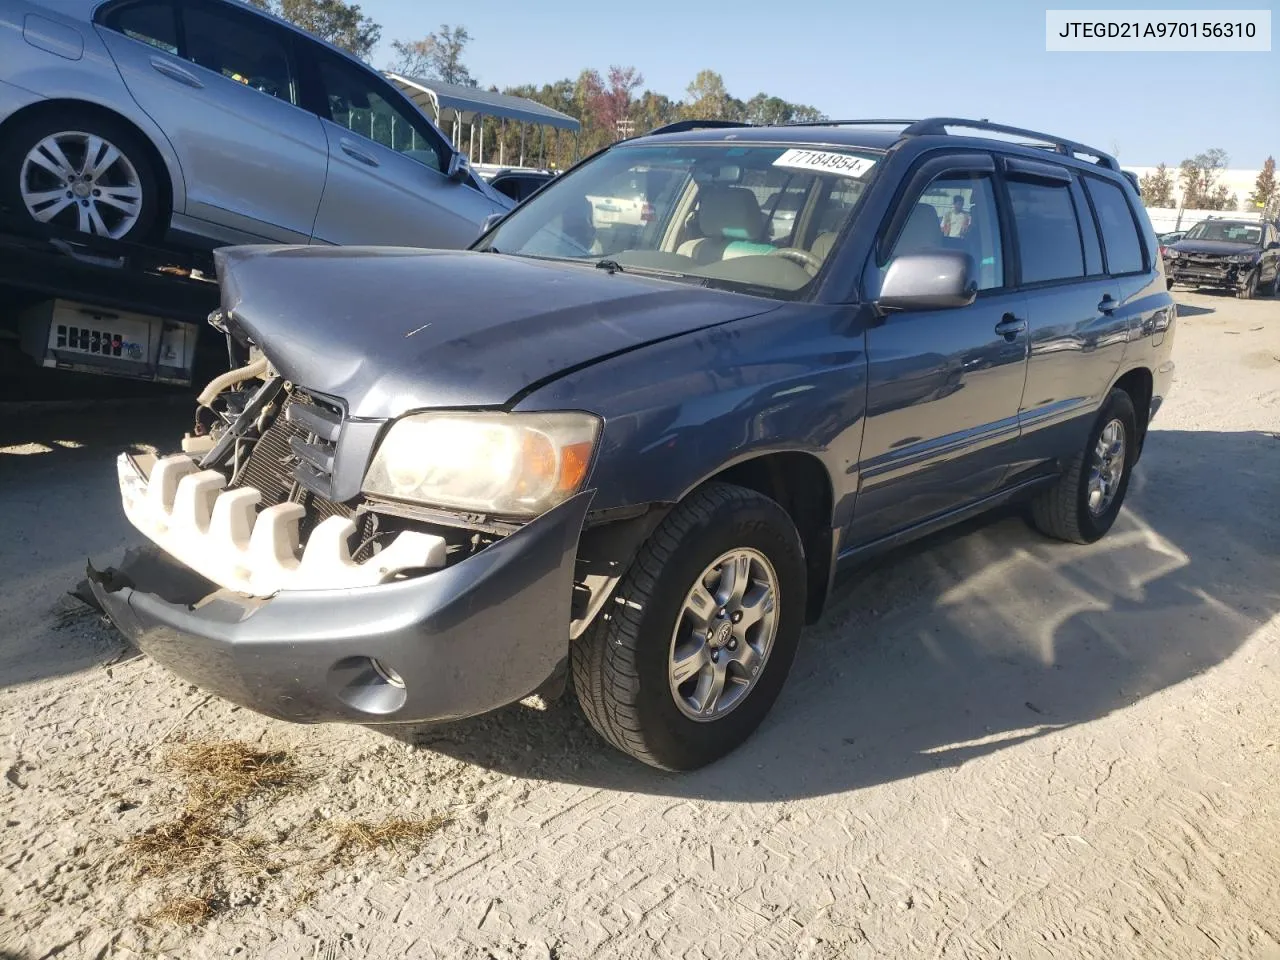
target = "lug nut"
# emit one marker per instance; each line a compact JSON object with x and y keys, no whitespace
{"x":720,"y":612}
{"x":715,"y":656}
{"x":97,"y":193}
{"x":733,"y":644}
{"x":737,"y":616}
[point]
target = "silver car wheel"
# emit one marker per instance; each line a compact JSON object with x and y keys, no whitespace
{"x":84,"y":173}
{"x":723,"y":635}
{"x":1106,"y":468}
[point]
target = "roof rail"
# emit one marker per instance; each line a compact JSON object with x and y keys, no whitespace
{"x":844,"y":123}
{"x":938,"y":125}
{"x":680,"y":126}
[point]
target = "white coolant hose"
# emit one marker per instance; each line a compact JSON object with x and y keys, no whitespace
{"x":231,"y":377}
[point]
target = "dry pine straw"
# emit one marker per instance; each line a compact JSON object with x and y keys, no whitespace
{"x":200,"y":843}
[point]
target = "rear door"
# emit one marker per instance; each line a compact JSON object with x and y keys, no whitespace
{"x":223,"y":85}
{"x":1081,"y":264}
{"x":944,"y":385}
{"x":386,"y":181}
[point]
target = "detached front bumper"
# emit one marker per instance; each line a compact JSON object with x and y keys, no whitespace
{"x":458,"y":642}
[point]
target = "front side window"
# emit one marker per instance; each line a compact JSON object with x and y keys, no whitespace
{"x":363,"y":105}
{"x":747,"y":216}
{"x":1048,"y":231}
{"x":152,"y":22}
{"x":239,"y":47}
{"x":956,"y":212}
{"x":1120,"y":237}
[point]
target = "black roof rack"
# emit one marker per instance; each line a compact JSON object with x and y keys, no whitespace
{"x":938,"y":125}
{"x":930,"y":126}
{"x":680,"y":126}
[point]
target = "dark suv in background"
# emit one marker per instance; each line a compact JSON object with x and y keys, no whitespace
{"x":1239,"y":255}
{"x":633,"y":433}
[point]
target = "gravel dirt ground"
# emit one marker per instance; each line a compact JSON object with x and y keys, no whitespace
{"x":992,"y":746}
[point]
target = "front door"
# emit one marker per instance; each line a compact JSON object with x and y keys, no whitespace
{"x":223,"y":86}
{"x":386,"y":180}
{"x":943,"y":385}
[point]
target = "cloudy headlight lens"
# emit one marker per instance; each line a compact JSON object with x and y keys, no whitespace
{"x":512,"y":464}
{"x":1172,"y":254}
{"x":1242,"y":257}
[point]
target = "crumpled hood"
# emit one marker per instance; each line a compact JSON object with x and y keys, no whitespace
{"x":390,"y":329}
{"x":1217,"y":248}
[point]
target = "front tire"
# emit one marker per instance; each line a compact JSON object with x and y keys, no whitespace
{"x":691,"y":654}
{"x":1249,"y":289}
{"x":1085,"y":501}
{"x":80,"y":171}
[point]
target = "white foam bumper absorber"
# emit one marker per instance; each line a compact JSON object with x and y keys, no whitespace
{"x":223,"y":536}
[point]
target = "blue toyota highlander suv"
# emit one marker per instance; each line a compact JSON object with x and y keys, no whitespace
{"x":631,"y":457}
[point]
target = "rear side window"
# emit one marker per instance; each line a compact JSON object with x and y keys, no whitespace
{"x":1120,"y":237}
{"x":1048,"y":232}
{"x":240,"y":47}
{"x":152,"y":21}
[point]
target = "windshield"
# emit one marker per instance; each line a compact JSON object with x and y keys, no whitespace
{"x":1225,"y":230}
{"x":758,"y":218}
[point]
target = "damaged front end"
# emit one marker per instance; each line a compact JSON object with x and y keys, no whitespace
{"x":273,"y":581}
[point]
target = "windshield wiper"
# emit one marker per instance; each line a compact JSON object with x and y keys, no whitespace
{"x":613,"y":266}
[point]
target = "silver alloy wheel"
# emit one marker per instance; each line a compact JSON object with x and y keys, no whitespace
{"x":83,"y":172}
{"x":724,"y":634}
{"x":1107,"y":467}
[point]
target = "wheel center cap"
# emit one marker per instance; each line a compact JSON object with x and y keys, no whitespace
{"x":81,"y":189}
{"x":721,"y":633}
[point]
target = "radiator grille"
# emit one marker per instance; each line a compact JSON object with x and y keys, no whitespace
{"x":270,"y":468}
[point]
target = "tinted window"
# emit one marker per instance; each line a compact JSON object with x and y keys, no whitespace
{"x":957,"y":213}
{"x":1048,"y":233}
{"x":364,"y":105}
{"x":240,"y":47}
{"x":1088,"y":231}
{"x":1119,"y":233}
{"x":151,"y":22}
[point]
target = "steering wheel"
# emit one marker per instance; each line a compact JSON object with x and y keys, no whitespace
{"x":806,"y":259}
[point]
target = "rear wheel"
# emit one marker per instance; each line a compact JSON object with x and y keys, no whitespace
{"x":80,"y":171}
{"x":1273,"y":287}
{"x":1084,"y":503}
{"x":685,"y":664}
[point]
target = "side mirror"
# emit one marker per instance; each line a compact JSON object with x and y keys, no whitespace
{"x":1274,"y":245}
{"x":929,"y":281}
{"x":457,"y":169}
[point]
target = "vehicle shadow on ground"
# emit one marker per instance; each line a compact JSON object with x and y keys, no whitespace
{"x":60,"y":505}
{"x":1191,"y":310}
{"x":983,"y":637}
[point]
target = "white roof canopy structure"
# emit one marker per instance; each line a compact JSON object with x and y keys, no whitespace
{"x":450,"y":103}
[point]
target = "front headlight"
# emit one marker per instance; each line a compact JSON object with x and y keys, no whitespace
{"x":1172,"y":254}
{"x":511,"y":464}
{"x":1242,"y":258}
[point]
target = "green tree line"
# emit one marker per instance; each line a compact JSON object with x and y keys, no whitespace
{"x":1202,"y":189}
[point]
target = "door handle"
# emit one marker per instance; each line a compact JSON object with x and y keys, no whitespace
{"x":1107,"y":304}
{"x":175,"y":72}
{"x":1010,"y":326}
{"x":355,"y":153}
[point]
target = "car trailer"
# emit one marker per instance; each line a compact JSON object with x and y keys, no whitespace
{"x":76,"y":302}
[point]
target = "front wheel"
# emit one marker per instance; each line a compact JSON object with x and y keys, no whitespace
{"x":699,"y":640}
{"x":1085,"y":501}
{"x":1249,"y":289}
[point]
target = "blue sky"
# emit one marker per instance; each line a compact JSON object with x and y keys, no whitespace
{"x":899,"y":58}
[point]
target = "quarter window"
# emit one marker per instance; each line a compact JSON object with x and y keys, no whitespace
{"x":362,"y":105}
{"x":240,"y":48}
{"x":1119,"y":233}
{"x":1048,"y":232}
{"x":957,"y":213}
{"x":152,"y":22}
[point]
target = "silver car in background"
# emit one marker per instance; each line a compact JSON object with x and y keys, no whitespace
{"x":212,"y":122}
